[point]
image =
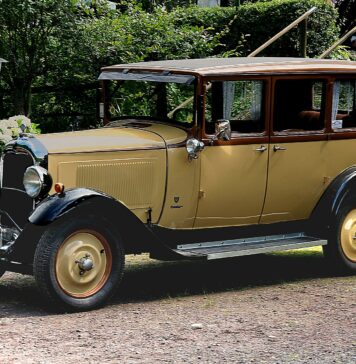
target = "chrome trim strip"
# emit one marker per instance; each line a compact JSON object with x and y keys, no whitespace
{"x":108,"y":151}
{"x":14,"y":189}
{"x":28,"y":144}
{"x":10,"y":218}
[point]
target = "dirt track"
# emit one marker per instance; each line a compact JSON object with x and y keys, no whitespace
{"x":283,"y":308}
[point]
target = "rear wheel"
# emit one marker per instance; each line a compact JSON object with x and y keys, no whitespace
{"x":79,"y":263}
{"x":341,"y":249}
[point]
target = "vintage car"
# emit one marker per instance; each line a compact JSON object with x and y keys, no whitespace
{"x":197,"y":159}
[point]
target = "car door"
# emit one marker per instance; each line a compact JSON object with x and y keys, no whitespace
{"x":234,"y":172}
{"x":297,"y":170}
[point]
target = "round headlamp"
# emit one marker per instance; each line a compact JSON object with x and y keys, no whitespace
{"x":37,"y":181}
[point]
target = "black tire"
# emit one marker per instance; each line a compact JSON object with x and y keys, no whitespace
{"x":57,"y":257}
{"x":2,"y":272}
{"x":341,"y":246}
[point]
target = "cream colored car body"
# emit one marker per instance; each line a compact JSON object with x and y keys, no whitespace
{"x":207,"y":188}
{"x":224,"y":187}
{"x":147,"y":168}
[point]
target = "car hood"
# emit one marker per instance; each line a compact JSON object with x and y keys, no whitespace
{"x":124,"y":136}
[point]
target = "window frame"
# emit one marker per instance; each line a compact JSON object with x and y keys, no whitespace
{"x":191,"y":128}
{"x":306,"y":135}
{"x":239,"y":138}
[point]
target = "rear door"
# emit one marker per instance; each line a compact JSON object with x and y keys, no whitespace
{"x":297,"y":174}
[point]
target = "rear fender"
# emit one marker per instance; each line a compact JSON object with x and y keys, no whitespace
{"x":341,"y":192}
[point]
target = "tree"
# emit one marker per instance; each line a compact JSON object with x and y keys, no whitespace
{"x":347,"y":13}
{"x":29,"y":29}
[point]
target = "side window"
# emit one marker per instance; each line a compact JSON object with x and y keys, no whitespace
{"x":299,"y":105}
{"x":344,"y":104}
{"x":240,"y":102}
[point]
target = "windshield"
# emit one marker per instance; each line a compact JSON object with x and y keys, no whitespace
{"x":161,"y":101}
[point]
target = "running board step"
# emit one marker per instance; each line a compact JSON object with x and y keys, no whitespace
{"x":249,"y":246}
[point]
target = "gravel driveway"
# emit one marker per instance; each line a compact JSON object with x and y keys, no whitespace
{"x":285,"y":308}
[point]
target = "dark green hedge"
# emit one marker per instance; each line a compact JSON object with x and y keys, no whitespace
{"x":254,"y":23}
{"x":192,"y":32}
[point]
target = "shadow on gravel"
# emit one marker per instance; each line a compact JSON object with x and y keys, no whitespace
{"x":148,"y":280}
{"x":155,"y":280}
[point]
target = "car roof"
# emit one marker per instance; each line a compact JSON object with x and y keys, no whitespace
{"x":242,"y":65}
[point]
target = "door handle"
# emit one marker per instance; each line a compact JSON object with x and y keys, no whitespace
{"x":277,"y":147}
{"x":261,"y":149}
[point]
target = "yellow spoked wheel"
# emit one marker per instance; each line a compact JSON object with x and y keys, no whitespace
{"x":83,"y":264}
{"x":348,"y":236}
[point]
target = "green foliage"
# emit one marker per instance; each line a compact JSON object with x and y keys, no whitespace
{"x":131,"y":37}
{"x":151,"y":5}
{"x":242,"y":30}
{"x":347,"y":13}
{"x":60,"y":46}
{"x":27,"y":28}
{"x":344,"y":53}
{"x":260,"y":21}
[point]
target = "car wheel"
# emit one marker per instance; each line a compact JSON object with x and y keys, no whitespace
{"x":341,"y":248}
{"x":2,"y":272}
{"x":78,"y":263}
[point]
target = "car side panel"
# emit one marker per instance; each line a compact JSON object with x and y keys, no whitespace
{"x":341,"y":155}
{"x":182,"y":190}
{"x":233,"y":183}
{"x":297,"y":178}
{"x":137,"y":178}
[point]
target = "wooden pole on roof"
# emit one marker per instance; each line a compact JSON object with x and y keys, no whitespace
{"x":282,"y":32}
{"x":338,"y":42}
{"x":304,"y":38}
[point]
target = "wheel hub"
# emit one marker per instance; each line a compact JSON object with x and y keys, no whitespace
{"x":85,"y":264}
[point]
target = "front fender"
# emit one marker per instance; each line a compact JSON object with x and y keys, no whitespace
{"x":137,"y":236}
{"x":55,"y":206}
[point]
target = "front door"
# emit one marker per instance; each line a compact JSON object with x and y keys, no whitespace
{"x":297,"y":172}
{"x":234,"y":172}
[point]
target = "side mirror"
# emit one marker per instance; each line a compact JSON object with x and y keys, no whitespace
{"x":194,"y":146}
{"x":222,"y":130}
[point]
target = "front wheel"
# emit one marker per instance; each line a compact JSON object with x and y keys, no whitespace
{"x":341,"y":249}
{"x":79,"y":263}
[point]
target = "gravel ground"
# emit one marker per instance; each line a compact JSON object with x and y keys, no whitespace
{"x":285,"y":308}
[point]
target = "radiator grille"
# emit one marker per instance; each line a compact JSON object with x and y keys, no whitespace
{"x":13,"y":198}
{"x":14,"y":167}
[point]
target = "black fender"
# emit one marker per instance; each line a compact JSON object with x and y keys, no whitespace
{"x":136,"y":235}
{"x":55,"y":206}
{"x":341,"y":192}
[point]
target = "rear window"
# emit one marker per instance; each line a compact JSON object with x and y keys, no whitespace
{"x":299,"y":105}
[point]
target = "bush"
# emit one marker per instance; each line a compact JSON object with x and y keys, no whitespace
{"x":240,"y":31}
{"x":131,"y":37}
{"x":192,"y":32}
{"x":264,"y":19}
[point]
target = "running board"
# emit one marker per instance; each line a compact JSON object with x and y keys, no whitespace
{"x":249,"y":246}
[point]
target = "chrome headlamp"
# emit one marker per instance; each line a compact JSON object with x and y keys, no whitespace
{"x":37,"y":181}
